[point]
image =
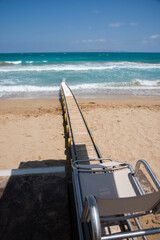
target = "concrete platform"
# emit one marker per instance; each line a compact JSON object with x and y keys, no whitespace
{"x":34,"y":207}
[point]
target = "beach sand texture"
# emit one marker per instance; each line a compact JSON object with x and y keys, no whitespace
{"x":126,"y":129}
{"x":31,"y":130}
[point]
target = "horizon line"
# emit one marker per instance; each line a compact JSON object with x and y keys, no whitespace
{"x":110,"y":51}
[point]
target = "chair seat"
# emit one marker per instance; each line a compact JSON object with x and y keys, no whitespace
{"x":116,"y":192}
{"x":108,"y":185}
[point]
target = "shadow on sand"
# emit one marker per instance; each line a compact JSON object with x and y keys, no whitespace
{"x":35,"y":206}
{"x":38,"y":206}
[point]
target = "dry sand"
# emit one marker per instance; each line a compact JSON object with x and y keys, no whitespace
{"x":126,"y":129}
{"x":30,"y":130}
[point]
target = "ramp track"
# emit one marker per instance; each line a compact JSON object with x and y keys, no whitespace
{"x":80,"y":140}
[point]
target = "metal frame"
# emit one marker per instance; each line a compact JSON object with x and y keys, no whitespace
{"x":93,"y":169}
{"x":142,"y":233}
{"x":89,"y":211}
{"x":90,"y":206}
{"x":149,"y":170}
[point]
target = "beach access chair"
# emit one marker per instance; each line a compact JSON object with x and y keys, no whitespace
{"x":111,"y":193}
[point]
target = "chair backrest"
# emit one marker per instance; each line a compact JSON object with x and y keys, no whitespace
{"x":115,"y":206}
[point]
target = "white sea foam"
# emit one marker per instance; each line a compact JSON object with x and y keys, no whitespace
{"x":7,"y":82}
{"x":13,"y":62}
{"x":28,"y":88}
{"x":143,"y":84}
{"x":26,"y":91}
{"x":29,"y":61}
{"x":113,"y":85}
{"x":21,"y":91}
{"x":79,"y":67}
{"x":147,"y":82}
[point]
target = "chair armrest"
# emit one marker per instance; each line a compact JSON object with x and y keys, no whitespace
{"x":91,"y":210}
{"x":149,"y":170}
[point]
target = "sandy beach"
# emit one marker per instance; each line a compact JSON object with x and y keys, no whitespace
{"x":126,"y":129}
{"x":31,"y":131}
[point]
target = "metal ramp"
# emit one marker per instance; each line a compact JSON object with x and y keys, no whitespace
{"x":80,"y":138}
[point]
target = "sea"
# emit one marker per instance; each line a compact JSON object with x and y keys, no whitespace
{"x":89,"y":75}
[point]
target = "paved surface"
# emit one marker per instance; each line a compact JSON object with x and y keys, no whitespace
{"x":34,"y":207}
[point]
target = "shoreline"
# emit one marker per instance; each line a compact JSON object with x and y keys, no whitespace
{"x":84,"y":96}
{"x":90,"y":95}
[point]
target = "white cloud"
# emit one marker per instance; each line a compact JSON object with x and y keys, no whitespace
{"x":118,"y":24}
{"x":150,"y":39}
{"x":95,"y":11}
{"x":134,"y":23}
{"x":144,"y":41}
{"x":89,"y":27}
{"x":154,"y":36}
{"x":87,"y":41}
{"x":84,"y":41}
{"x":94,"y":40}
{"x":101,"y":40}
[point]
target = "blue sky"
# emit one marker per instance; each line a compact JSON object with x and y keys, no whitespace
{"x":84,"y":25}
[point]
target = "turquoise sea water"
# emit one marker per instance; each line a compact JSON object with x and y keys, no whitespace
{"x":38,"y":75}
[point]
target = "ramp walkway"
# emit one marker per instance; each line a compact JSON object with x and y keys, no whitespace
{"x":80,"y":138}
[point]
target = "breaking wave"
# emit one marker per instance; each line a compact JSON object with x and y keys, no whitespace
{"x":134,"y":84}
{"x":39,"y":91}
{"x":16,"y":66}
